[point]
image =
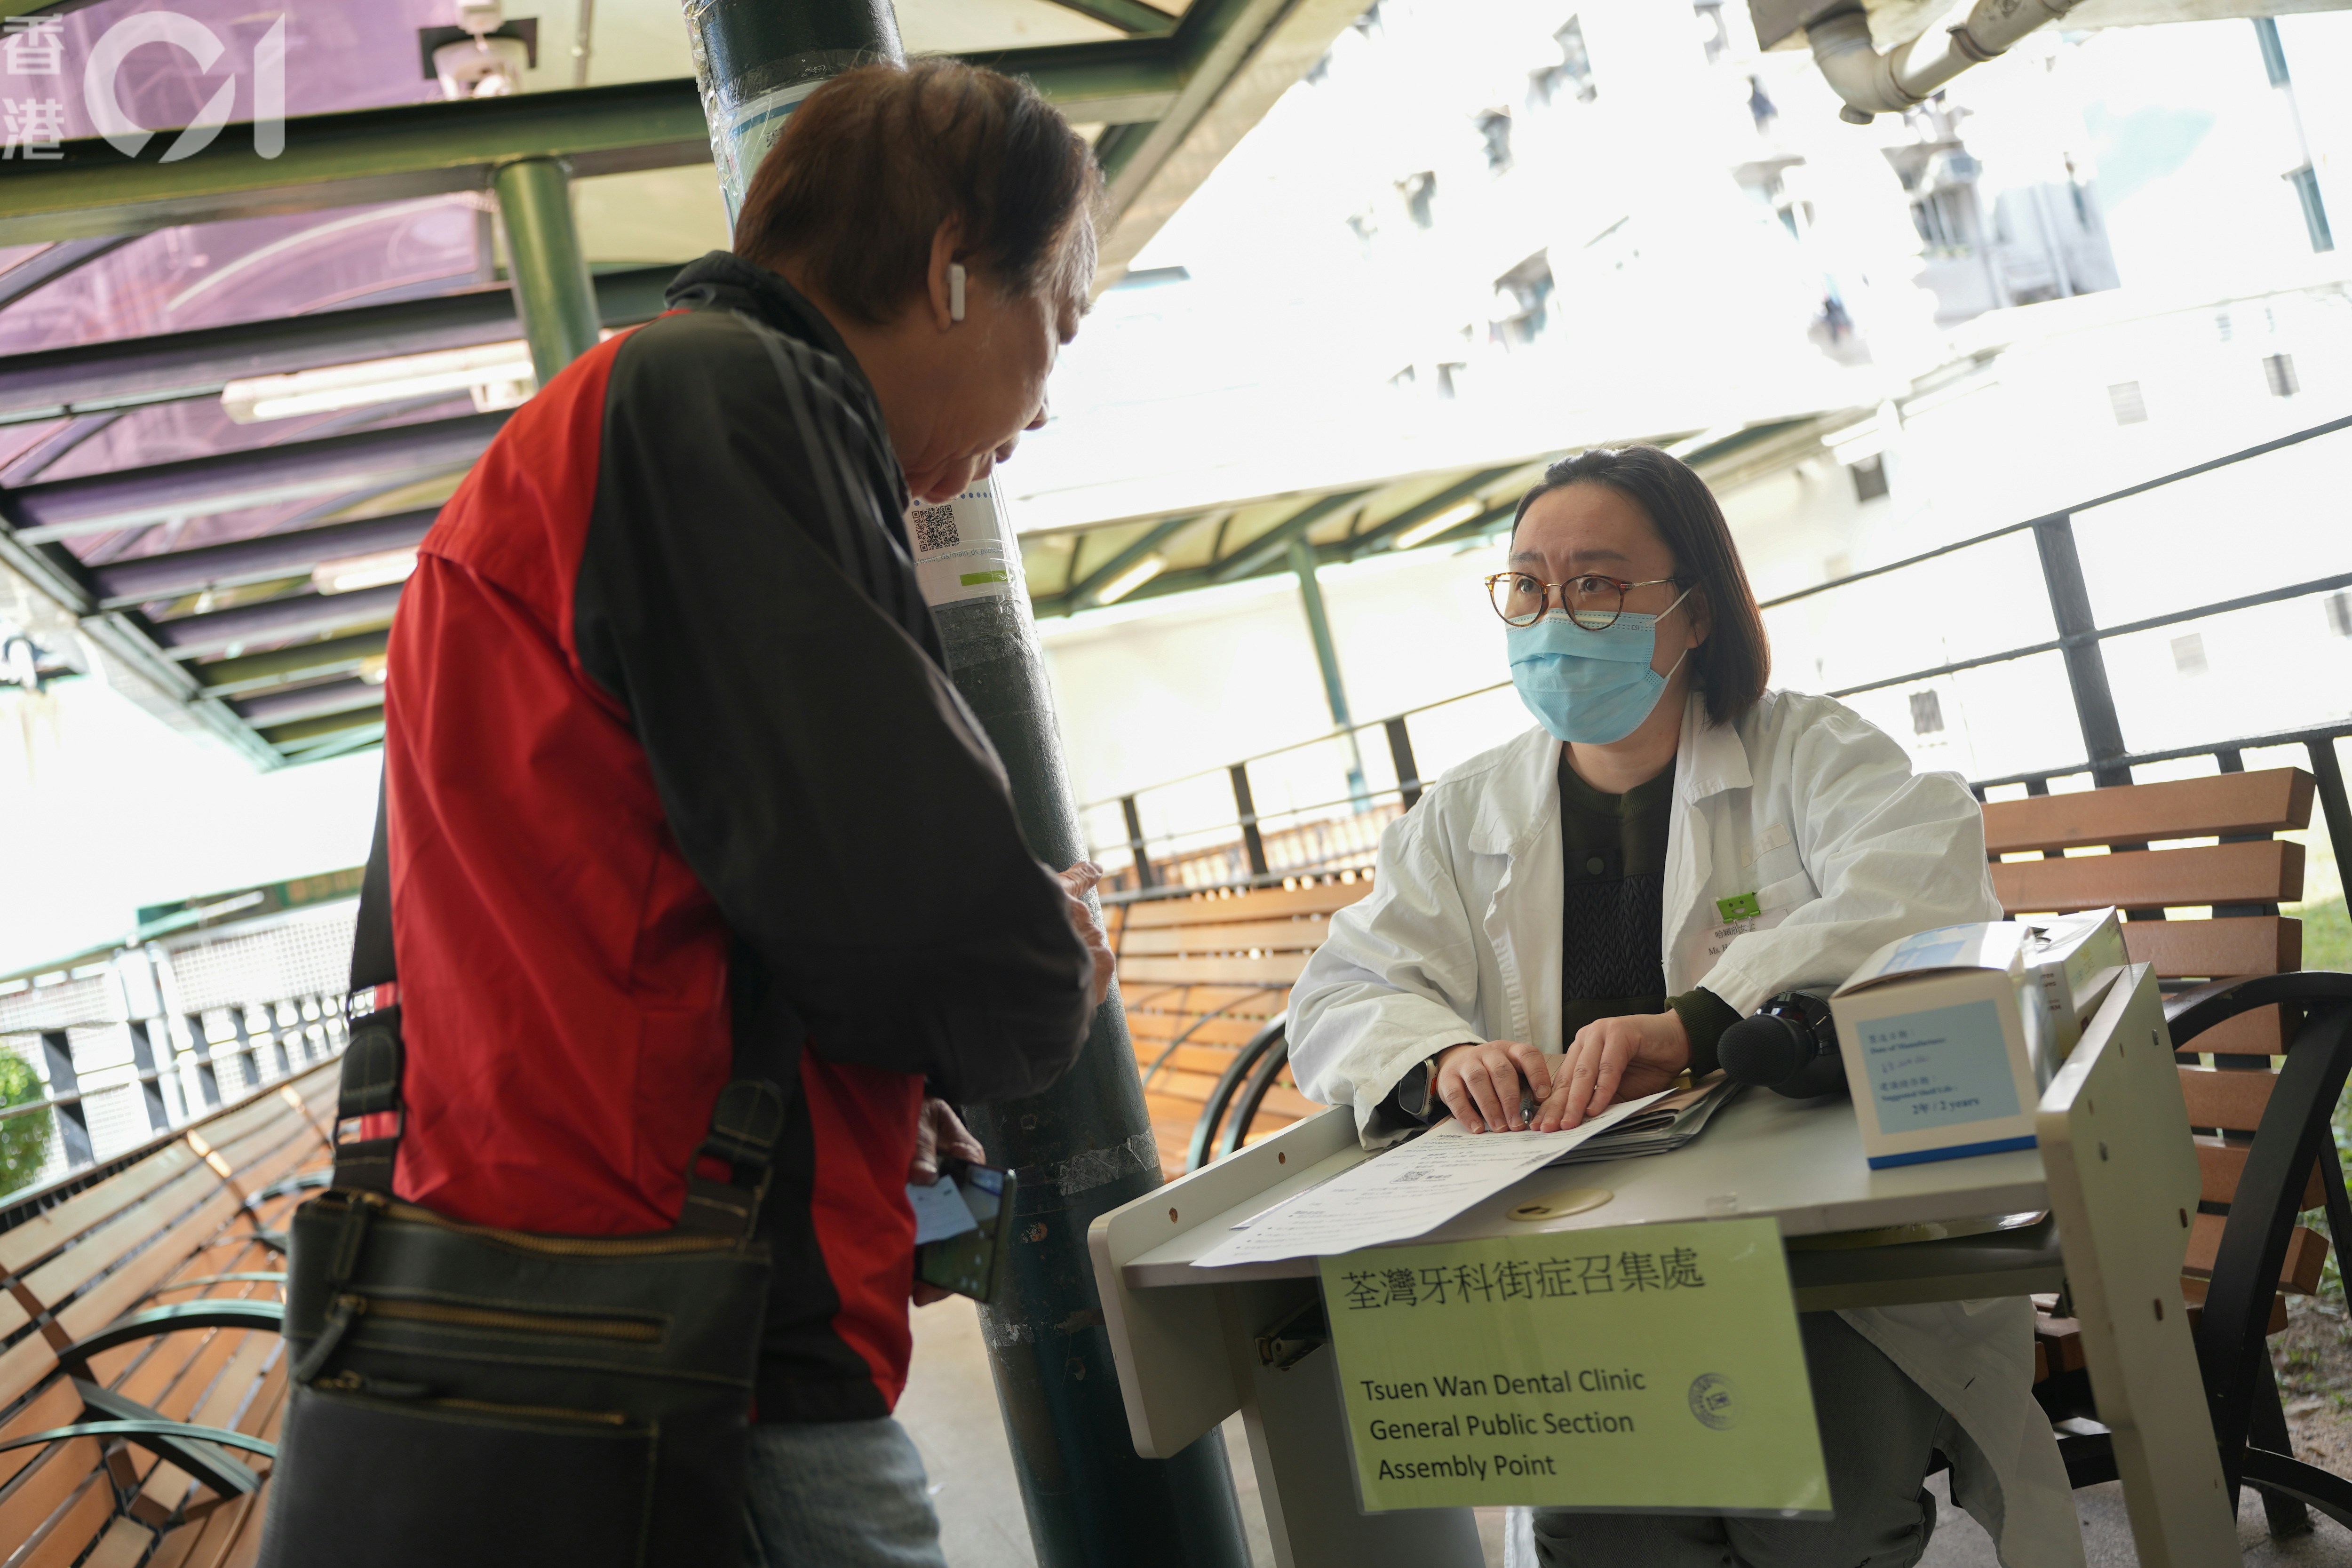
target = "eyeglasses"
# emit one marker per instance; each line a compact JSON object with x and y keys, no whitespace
{"x":1592,"y":603}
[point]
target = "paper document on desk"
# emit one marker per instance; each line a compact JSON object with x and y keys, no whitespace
{"x":1666,"y":1127}
{"x":1404,"y":1192}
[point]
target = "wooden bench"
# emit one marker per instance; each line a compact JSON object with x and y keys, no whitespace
{"x":146,"y":1301}
{"x":2242,"y":878}
{"x":1206,"y":975}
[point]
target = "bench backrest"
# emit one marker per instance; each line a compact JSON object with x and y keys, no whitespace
{"x":2243,"y":878}
{"x":1201,"y":977}
{"x":167,"y":1229}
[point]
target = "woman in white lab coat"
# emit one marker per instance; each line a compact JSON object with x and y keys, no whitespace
{"x":1575,"y":916}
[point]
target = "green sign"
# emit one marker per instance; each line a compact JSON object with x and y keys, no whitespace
{"x":1649,"y":1367}
{"x":1739,"y":907}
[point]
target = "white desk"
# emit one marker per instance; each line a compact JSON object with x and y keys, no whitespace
{"x":1186,"y":1339}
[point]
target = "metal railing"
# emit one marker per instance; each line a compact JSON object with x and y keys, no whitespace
{"x":1240,"y":852}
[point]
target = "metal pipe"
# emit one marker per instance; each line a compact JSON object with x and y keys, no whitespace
{"x":553,"y":293}
{"x":230,"y":481}
{"x":1327,"y":659}
{"x":129,"y":372}
{"x":276,"y":620}
{"x":166,"y":576}
{"x":1085,"y":1146}
{"x":1872,"y":84}
{"x":2086,"y":664}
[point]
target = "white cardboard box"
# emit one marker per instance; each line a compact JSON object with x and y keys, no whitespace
{"x":1933,"y":1029}
{"x":2074,"y":959}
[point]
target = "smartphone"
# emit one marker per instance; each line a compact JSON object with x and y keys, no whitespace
{"x":962,"y":1228}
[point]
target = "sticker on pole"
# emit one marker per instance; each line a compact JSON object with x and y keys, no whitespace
{"x":961,"y":549}
{"x":1645,"y":1367}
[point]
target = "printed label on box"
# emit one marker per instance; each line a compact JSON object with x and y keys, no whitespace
{"x":1942,"y":1067}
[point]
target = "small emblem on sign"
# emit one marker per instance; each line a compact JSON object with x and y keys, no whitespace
{"x":1739,"y":907}
{"x":1713,"y":1399}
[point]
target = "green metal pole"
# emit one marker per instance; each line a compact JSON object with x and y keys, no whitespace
{"x":1327,"y":657}
{"x":1085,"y":1146}
{"x":553,"y":294}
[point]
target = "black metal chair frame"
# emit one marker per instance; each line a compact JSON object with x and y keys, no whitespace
{"x":1241,"y":1090}
{"x":195,"y":1449}
{"x":2232,"y":1339}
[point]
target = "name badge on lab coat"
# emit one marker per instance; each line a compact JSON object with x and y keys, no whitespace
{"x":1770,"y":906}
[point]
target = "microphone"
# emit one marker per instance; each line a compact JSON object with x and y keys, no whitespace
{"x":1789,"y":1046}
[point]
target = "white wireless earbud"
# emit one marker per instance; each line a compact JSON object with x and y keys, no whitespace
{"x":955,"y":291}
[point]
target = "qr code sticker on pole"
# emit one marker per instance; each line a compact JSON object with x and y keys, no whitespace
{"x":962,"y":551}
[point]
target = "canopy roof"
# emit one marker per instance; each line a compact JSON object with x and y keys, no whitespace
{"x":233,"y":564}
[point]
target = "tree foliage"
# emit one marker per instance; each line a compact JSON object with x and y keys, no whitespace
{"x":24,"y":1140}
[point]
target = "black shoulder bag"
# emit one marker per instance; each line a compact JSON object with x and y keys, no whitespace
{"x":465,"y":1396}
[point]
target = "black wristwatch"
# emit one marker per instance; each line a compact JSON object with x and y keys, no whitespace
{"x":1416,"y":1092}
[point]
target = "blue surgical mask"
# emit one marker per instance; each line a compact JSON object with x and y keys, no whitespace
{"x":1592,"y":688}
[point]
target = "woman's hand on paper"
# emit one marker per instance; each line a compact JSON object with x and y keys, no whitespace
{"x":1480,"y":1084}
{"x":1632,"y":1055}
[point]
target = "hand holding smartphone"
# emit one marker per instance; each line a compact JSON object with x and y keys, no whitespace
{"x":962,"y":1227}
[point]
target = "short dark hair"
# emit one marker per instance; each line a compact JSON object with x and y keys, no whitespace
{"x":1732,"y":665}
{"x":872,"y":162}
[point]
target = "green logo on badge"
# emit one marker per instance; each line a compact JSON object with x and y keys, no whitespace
{"x":1711,"y":1400}
{"x":1739,"y":907}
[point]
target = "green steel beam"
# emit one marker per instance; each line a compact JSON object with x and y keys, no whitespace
{"x":1301,"y":559}
{"x":552,"y":292}
{"x":1268,"y":547}
{"x":349,"y":158}
{"x":1130,"y":16}
{"x":1233,"y":59}
{"x":308,"y":730}
{"x":252,"y":672}
{"x":431,"y":149}
{"x":1082,"y":595}
{"x":1454,"y":494}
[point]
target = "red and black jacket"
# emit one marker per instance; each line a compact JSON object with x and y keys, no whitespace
{"x":670,"y":753}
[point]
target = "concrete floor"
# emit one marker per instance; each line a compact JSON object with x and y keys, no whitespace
{"x":950,"y":1409}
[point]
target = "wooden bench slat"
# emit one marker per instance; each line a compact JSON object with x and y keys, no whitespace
{"x":2216,"y":949}
{"x":1210,"y":1059}
{"x":48,"y":1488}
{"x":1227,"y":1034}
{"x":72,"y":1534}
{"x":45,"y":1232}
{"x":123,"y":1544}
{"x":58,"y":1405}
{"x":1281,"y":1099}
{"x":2306,"y":1252}
{"x":1193,"y":1088}
{"x":2268,"y":871}
{"x":1259,"y":903}
{"x":1279,"y":969}
{"x":2223,"y":1165}
{"x":2259,"y":1032}
{"x":2220,"y":806}
{"x":1191,"y":999}
{"x":1278,"y":936}
{"x":55,"y":1281}
{"x":2232,"y":1101}
{"x":2193,"y":1291}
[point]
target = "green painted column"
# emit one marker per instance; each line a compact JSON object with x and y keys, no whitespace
{"x":1326,"y":659}
{"x":553,"y":295}
{"x":1085,"y":1146}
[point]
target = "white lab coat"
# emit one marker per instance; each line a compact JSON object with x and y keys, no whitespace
{"x":1819,"y":815}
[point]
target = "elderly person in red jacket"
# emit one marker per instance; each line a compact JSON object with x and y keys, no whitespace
{"x":673,"y":759}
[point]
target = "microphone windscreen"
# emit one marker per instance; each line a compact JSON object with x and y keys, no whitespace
{"x":1762,"y":1050}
